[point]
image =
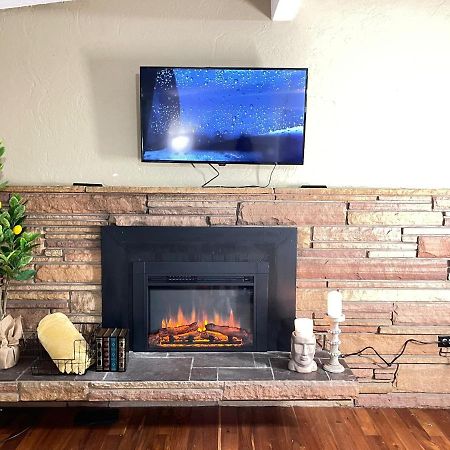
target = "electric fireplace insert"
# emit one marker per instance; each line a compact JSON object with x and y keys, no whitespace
{"x":200,"y":306}
{"x":200,"y":288}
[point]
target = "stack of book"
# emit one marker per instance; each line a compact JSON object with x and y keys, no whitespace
{"x":112,"y":349}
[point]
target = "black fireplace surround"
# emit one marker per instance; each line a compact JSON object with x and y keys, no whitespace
{"x":243,"y":277}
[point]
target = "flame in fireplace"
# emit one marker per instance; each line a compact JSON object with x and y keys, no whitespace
{"x":200,"y":329}
{"x":201,"y":318}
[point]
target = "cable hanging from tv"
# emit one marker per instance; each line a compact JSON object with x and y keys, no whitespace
{"x":217,"y":173}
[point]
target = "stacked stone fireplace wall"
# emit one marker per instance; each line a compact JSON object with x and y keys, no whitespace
{"x":387,"y":250}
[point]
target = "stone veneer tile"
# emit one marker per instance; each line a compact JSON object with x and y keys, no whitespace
{"x":33,"y":391}
{"x":159,"y":220}
{"x":291,"y":213}
{"x":403,"y":400}
{"x":431,"y":378}
{"x":69,"y":273}
{"x":289,"y":389}
{"x":9,"y":392}
{"x":372,"y":269}
{"x":244,"y":374}
{"x":434,"y":247}
{"x":157,"y":395}
{"x":86,"y":203}
{"x":394,"y":218}
{"x":154,"y":369}
{"x":356,"y":234}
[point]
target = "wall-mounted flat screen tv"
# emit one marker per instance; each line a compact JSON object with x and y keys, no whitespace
{"x":222,"y":115}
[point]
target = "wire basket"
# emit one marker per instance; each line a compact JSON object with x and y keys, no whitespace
{"x":83,"y":353}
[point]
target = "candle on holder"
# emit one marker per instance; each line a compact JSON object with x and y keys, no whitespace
{"x":334,"y":303}
{"x":304,"y":327}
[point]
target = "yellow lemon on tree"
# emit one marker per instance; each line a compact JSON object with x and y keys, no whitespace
{"x":17,"y":230}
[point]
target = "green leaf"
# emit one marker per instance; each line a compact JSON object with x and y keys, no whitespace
{"x":25,"y":260}
{"x":9,"y":235}
{"x":30,"y":237}
{"x":5,"y":222}
{"x":23,"y":243}
{"x":24,"y":275}
{"x":17,"y":214}
{"x":14,"y":201}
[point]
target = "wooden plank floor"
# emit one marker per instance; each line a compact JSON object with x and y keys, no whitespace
{"x":226,"y":428}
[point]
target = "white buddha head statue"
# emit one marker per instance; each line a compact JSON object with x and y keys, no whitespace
{"x":303,"y":350}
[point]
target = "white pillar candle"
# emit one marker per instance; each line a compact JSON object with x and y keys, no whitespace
{"x":334,"y":303}
{"x":304,"y":327}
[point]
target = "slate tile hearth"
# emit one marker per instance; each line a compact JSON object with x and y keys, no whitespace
{"x":218,"y":367}
{"x":15,"y":372}
{"x":203,"y":374}
{"x":154,"y":369}
{"x":220,"y":359}
{"x":270,"y":366}
{"x":244,"y":374}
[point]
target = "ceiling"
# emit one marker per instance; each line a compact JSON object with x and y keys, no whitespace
{"x":281,"y":10}
{"x":6,"y":4}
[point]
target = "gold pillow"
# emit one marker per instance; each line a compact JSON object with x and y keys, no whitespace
{"x":64,"y":343}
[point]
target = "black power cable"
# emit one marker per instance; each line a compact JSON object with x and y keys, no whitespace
{"x":13,"y":436}
{"x":213,"y":178}
{"x":270,"y":177}
{"x":206,"y":183}
{"x":389,"y":364}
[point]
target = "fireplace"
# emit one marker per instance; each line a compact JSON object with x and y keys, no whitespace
{"x":200,"y":289}
{"x":200,"y":306}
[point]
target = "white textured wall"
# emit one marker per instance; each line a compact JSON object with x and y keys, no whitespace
{"x":378,"y":100}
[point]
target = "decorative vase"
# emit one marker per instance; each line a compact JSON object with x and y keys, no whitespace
{"x":10,"y":334}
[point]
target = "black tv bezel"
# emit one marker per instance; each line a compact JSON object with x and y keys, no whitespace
{"x":222,"y":163}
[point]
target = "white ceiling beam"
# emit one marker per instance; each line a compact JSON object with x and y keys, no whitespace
{"x":284,"y":10}
{"x":6,"y":4}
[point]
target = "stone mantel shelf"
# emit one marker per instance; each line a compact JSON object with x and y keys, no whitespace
{"x":177,"y":379}
{"x":228,"y":190}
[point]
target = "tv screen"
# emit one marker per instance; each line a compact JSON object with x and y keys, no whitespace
{"x":221,"y":115}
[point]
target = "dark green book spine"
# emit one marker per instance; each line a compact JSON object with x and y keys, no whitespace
{"x":113,"y":350}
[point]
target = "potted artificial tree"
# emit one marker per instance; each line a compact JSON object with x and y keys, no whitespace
{"x":16,"y":245}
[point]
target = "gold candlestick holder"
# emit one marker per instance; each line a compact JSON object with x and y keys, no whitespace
{"x":334,"y":366}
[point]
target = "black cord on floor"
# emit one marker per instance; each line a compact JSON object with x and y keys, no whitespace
{"x":389,"y":364}
{"x":9,"y":438}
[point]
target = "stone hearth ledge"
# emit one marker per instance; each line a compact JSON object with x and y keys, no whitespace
{"x":177,"y":392}
{"x":94,"y":389}
{"x":251,"y":387}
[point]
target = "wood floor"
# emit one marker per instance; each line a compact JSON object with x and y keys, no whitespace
{"x":226,"y":428}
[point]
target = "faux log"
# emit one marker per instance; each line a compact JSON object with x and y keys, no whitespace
{"x":214,"y":336}
{"x":182,"y":329}
{"x":197,"y":335}
{"x":229,"y":331}
{"x":156,"y":338}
